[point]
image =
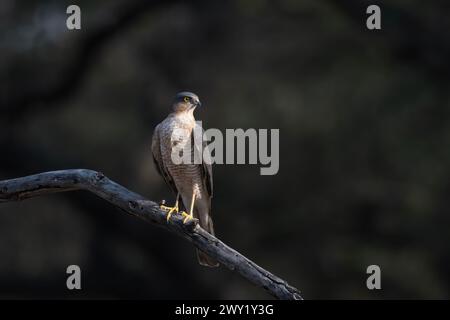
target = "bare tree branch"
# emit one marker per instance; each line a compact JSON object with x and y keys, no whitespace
{"x":135,"y":204}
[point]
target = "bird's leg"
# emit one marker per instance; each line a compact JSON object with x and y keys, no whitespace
{"x":171,"y":209}
{"x":191,"y":210}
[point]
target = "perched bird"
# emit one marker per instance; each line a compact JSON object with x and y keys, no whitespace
{"x":192,"y":183}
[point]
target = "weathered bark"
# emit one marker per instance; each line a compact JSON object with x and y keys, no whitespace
{"x":135,"y":204}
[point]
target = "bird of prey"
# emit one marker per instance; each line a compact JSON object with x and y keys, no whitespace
{"x":192,"y":183}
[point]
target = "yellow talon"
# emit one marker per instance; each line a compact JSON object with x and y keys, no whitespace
{"x":187,"y":217}
{"x":169,"y":214}
{"x":170,"y":210}
{"x":175,"y":209}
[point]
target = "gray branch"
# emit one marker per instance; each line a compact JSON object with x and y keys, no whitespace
{"x":135,"y":204}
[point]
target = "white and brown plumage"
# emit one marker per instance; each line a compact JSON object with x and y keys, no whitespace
{"x":192,"y":183}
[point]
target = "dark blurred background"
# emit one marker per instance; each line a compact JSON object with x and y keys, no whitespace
{"x":364,"y":128}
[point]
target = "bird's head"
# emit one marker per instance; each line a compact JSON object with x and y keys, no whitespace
{"x":186,"y":101}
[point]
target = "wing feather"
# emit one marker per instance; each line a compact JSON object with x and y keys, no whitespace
{"x":159,"y":162}
{"x":206,"y":166}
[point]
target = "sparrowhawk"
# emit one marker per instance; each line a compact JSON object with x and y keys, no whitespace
{"x":192,"y":183}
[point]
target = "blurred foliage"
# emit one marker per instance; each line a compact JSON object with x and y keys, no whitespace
{"x":364,"y":161}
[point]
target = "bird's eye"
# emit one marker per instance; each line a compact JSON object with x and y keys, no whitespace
{"x":186,"y":99}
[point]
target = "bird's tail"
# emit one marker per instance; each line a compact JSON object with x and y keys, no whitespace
{"x":207,"y":224}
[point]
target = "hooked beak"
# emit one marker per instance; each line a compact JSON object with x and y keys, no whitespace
{"x":198,"y":103}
